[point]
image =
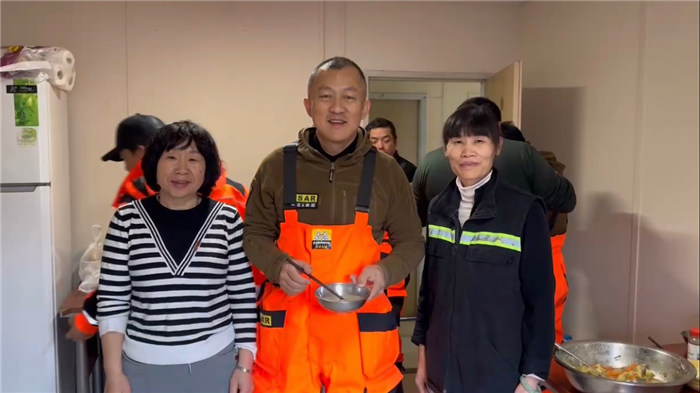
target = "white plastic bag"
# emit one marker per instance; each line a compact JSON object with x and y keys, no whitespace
{"x":90,"y":262}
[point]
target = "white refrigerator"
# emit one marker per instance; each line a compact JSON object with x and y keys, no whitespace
{"x":36,"y":265}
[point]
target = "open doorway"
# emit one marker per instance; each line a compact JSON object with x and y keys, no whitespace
{"x":408,"y":113}
{"x":437,"y":96}
{"x":418,"y":108}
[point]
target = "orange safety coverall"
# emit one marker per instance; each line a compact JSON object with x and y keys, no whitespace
{"x":562,"y":285}
{"x":301,"y":345}
{"x":395,"y":291}
{"x":399,"y":289}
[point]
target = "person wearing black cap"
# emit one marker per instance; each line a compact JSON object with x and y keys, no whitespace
{"x":133,"y":135}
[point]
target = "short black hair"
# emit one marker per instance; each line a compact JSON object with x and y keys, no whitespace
{"x":335,"y":63}
{"x":173,"y":136}
{"x":510,"y":131}
{"x":380,"y":122}
{"x":484,"y":102}
{"x":471,"y":120}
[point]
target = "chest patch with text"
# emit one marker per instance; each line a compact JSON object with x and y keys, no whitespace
{"x":321,"y":239}
{"x":306,"y":201}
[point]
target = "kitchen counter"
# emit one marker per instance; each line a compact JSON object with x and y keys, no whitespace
{"x":558,"y":380}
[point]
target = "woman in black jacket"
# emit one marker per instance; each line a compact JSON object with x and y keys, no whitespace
{"x":486,"y":311}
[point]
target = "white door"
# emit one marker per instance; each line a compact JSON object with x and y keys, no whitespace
{"x":505,"y":89}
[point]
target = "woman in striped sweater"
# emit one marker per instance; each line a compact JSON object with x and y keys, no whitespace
{"x":176,"y":300}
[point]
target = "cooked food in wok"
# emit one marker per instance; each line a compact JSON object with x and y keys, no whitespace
{"x":632,"y":373}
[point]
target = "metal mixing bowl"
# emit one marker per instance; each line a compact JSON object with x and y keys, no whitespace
{"x":355,"y":297}
{"x":672,"y":370}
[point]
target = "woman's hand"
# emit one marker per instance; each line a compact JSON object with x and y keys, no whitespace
{"x":116,"y":381}
{"x":117,"y":384}
{"x":532,"y":382}
{"x":421,"y":373}
{"x":241,"y":382}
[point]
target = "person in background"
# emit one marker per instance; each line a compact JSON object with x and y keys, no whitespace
{"x":558,"y":222}
{"x":511,"y":132}
{"x":133,"y":135}
{"x":326,"y":202}
{"x":382,"y":134}
{"x":176,"y":299}
{"x":485,"y":319}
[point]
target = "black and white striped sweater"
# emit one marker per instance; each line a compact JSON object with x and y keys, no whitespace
{"x":176,"y":312}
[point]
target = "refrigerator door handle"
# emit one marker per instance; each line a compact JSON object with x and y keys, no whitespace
{"x":21,"y":187}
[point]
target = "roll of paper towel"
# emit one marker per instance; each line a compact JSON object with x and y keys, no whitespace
{"x":61,"y":56}
{"x":62,"y":73}
{"x":71,"y":82}
{"x":62,"y":76}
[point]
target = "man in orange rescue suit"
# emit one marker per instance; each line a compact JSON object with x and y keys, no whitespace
{"x":325,"y":202}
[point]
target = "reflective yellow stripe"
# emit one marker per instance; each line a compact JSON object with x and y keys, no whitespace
{"x":502,"y":240}
{"x":441,"y":233}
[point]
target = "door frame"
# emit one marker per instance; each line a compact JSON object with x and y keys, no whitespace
{"x":422,"y":114}
{"x":421,"y":76}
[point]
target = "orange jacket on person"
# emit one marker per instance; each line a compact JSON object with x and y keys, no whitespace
{"x":398,"y":289}
{"x":225,"y":190}
{"x":133,"y":188}
{"x":558,"y":226}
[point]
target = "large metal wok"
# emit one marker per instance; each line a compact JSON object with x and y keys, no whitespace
{"x":671,"y":370}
